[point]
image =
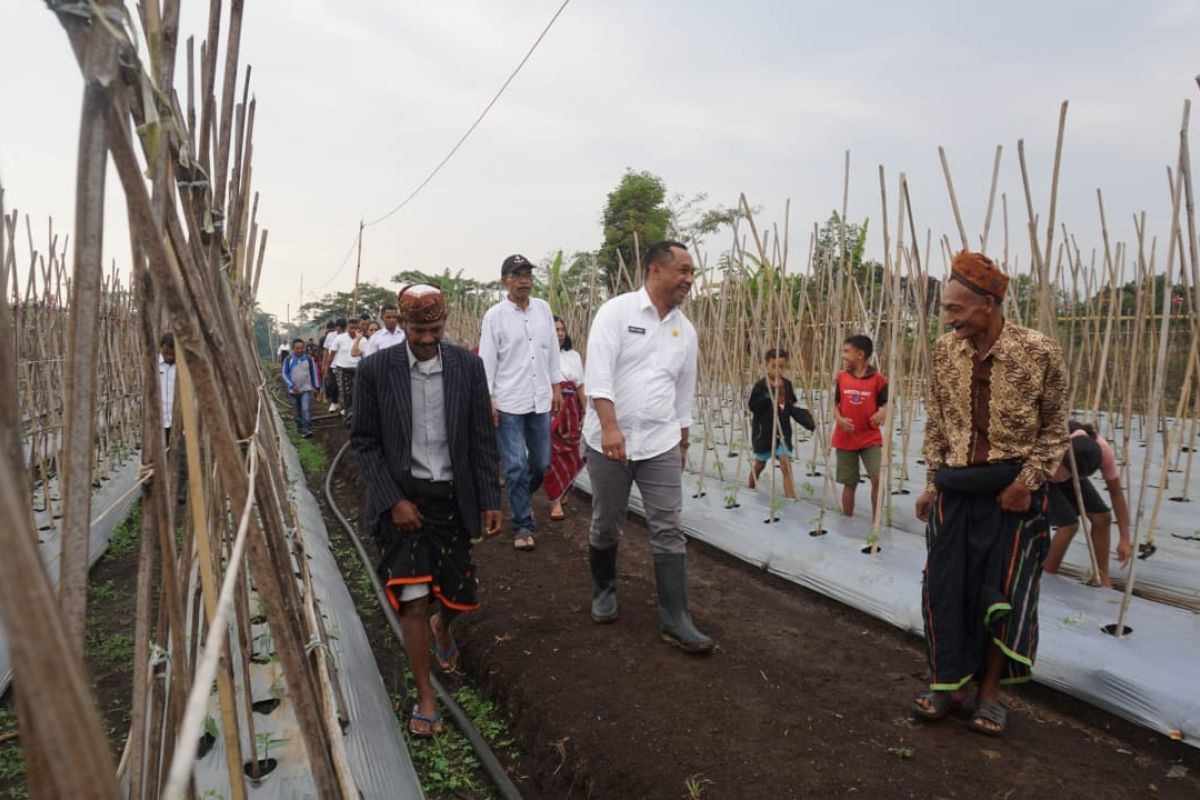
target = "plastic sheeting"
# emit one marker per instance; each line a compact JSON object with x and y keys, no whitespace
{"x":118,"y":481}
{"x":379,"y":760}
{"x":1147,"y":677}
{"x":1173,"y":572}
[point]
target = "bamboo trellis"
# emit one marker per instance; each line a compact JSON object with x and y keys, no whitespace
{"x":83,"y":372}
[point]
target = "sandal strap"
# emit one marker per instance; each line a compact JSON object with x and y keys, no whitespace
{"x":992,"y":712}
{"x":435,"y":719}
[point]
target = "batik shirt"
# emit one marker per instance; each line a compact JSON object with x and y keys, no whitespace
{"x":1010,"y":405}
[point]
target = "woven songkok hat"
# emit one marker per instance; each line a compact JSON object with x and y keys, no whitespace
{"x":979,"y":273}
{"x":421,"y":303}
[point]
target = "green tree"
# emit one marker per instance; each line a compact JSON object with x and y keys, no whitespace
{"x":636,"y":209}
{"x":338,"y":304}
{"x":265,"y":334}
{"x":454,"y":286}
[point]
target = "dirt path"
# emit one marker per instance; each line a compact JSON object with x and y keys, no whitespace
{"x":804,"y":697}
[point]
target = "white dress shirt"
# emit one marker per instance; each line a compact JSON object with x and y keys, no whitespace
{"x":647,"y":367}
{"x":519,"y":348}
{"x":430,"y":441}
{"x":383,"y":339}
{"x":166,"y":388}
{"x":572,"y":366}
{"x":342,"y":346}
{"x":329,"y":339}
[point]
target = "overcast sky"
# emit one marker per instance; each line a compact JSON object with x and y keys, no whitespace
{"x":357,"y":101}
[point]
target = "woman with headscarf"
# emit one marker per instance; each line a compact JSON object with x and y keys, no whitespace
{"x":566,"y":428}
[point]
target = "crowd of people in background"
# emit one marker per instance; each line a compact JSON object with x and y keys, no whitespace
{"x":439,"y":429}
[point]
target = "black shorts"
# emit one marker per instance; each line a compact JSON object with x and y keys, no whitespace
{"x":1064,"y":507}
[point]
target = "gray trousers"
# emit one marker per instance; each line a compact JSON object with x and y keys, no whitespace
{"x":660,"y":480}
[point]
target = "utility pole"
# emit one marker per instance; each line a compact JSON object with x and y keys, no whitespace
{"x":357,"y":268}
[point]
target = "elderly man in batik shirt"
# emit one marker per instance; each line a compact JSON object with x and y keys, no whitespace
{"x":997,"y":429}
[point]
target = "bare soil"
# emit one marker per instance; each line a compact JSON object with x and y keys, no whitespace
{"x":804,"y":698}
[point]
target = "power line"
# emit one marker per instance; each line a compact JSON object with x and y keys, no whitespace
{"x":453,"y":150}
{"x":474,"y":124}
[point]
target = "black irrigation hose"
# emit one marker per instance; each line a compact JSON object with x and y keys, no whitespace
{"x":487,"y":759}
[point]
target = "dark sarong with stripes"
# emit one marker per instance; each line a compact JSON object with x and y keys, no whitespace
{"x":982,"y":576}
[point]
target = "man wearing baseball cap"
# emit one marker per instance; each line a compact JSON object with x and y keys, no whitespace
{"x":519,"y":348}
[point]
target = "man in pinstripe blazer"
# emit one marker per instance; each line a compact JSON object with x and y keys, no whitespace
{"x":422,"y":431}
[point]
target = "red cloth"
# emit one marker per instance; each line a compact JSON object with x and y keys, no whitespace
{"x":858,"y":399}
{"x":566,"y":432}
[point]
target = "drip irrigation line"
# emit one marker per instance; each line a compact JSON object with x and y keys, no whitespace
{"x":487,"y":759}
{"x":474,"y":124}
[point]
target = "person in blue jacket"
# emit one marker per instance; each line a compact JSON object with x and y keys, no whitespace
{"x":300,"y":375}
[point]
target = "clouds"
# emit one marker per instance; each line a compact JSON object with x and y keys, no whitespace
{"x":358,"y":101}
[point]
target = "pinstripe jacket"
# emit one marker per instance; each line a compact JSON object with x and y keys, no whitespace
{"x":381,"y":433}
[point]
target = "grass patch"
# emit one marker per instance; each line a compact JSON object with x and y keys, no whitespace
{"x":312,"y":456}
{"x":114,"y":650}
{"x":12,"y":765}
{"x":124,"y":540}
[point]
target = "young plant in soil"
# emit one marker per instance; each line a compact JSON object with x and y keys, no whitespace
{"x":257,"y":771}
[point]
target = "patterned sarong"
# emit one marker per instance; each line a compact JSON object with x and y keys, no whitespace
{"x":566,"y":431}
{"x":982,"y":576}
{"x":438,"y":554}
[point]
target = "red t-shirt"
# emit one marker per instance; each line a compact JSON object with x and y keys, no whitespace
{"x":857,"y":400}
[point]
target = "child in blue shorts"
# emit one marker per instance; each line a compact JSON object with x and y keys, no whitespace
{"x":773,"y":398}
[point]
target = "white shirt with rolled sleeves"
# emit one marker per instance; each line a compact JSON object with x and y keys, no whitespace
{"x":383,"y":339}
{"x":342,"y":345}
{"x":647,"y":367}
{"x":519,"y":348}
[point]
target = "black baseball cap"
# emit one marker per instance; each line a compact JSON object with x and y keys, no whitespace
{"x":514,"y":263}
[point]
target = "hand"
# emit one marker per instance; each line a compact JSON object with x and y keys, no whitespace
{"x":1124,"y":551}
{"x":846,"y":424}
{"x":925,"y":505}
{"x":495,"y":415}
{"x":612,"y":444}
{"x":406,"y":516}
{"x":878,"y":417}
{"x":556,"y":400}
{"x":492,"y":522}
{"x":683,"y":451}
{"x":1016,"y":497}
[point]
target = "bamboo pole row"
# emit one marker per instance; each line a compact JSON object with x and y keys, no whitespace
{"x":81,"y":387}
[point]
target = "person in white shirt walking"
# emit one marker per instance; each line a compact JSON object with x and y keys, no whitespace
{"x":344,"y":363}
{"x":641,"y":376}
{"x":166,"y":390}
{"x":391,"y":334}
{"x":328,"y":377}
{"x":519,"y":348}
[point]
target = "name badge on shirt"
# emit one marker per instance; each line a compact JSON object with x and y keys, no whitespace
{"x":635,"y":329}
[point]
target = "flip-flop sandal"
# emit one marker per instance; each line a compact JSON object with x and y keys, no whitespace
{"x":435,"y":725}
{"x":525,"y":543}
{"x":993,"y":713}
{"x":941,"y":704}
{"x":447,"y":659}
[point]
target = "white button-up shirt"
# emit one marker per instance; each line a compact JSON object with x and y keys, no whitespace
{"x":166,"y":388}
{"x":342,"y":345}
{"x":647,"y":367}
{"x":519,"y":348}
{"x":383,"y":339}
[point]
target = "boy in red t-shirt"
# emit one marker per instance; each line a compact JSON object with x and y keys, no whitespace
{"x":859,"y":400}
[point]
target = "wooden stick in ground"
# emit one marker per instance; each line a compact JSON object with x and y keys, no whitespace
{"x":1160,"y":374}
{"x":962,"y":231}
{"x":100,"y":73}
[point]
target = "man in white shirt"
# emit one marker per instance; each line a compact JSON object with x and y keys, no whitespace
{"x":391,"y":334}
{"x":328,"y":378}
{"x":166,"y":394}
{"x":641,"y":377}
{"x":345,"y":363}
{"x":519,"y":348}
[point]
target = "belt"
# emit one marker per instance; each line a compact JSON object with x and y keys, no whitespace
{"x":431,"y":490}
